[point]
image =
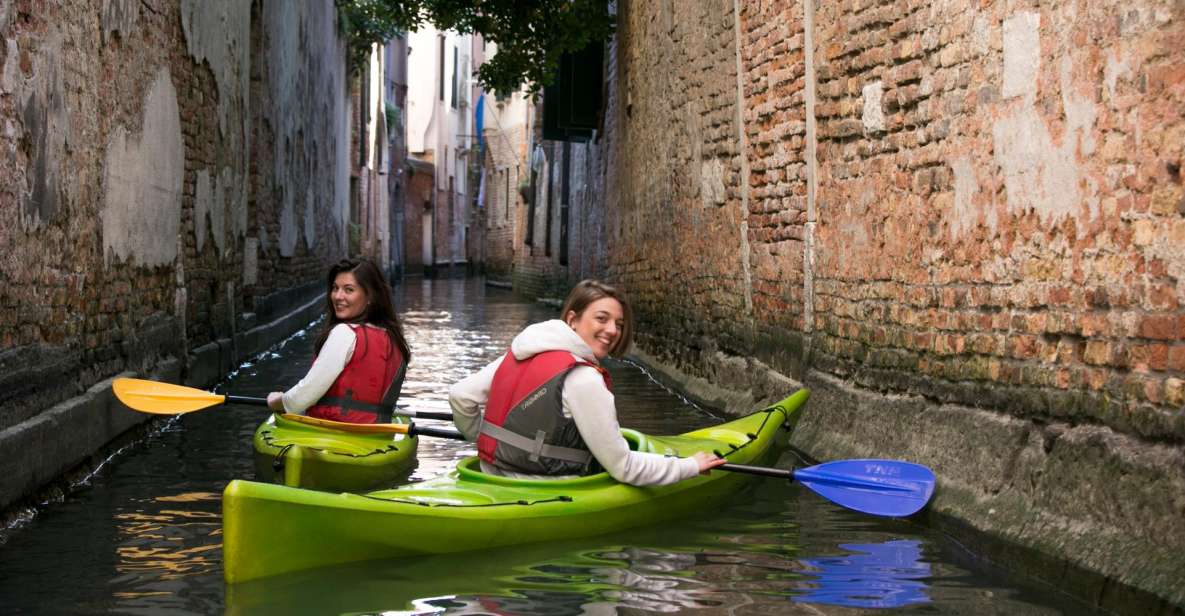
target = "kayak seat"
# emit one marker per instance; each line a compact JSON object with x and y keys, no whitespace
{"x":470,"y":468}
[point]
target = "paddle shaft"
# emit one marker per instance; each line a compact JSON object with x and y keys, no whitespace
{"x":253,"y":401}
{"x":415,"y":430}
{"x":247,"y":400}
{"x":756,"y":470}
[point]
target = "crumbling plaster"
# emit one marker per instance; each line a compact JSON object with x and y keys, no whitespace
{"x":218,"y":32}
{"x":141,"y":212}
{"x":119,"y":16}
{"x":307,"y":83}
{"x":35,"y":77}
{"x":1042,"y":172}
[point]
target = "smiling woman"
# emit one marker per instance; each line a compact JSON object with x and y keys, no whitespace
{"x":361,"y":356}
{"x":548,"y":405}
{"x":601,"y":317}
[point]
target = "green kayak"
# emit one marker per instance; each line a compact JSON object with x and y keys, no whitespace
{"x":272,"y":529}
{"x":302,"y":455}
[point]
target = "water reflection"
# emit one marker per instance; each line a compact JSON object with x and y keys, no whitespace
{"x":750,"y":558}
{"x":144,"y":536}
{"x":886,"y":574}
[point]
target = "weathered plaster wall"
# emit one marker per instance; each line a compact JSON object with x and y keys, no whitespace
{"x":505,"y":166}
{"x":140,"y":196}
{"x":960,"y":223}
{"x":141,"y":209}
{"x":304,"y":140}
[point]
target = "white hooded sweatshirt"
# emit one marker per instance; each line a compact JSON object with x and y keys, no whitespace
{"x":586,"y":400}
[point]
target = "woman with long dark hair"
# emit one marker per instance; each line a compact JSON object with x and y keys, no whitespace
{"x":361,"y":355}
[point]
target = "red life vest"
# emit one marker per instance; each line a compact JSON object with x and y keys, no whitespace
{"x":523,"y":428}
{"x":369,"y":384}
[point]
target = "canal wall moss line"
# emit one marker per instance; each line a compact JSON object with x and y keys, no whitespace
{"x":756,"y":383}
{"x":1086,"y":509}
{"x":37,"y":451}
{"x":210,"y":362}
{"x":1087,"y":496}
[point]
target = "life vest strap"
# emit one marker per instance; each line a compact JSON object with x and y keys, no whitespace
{"x":535,"y":446}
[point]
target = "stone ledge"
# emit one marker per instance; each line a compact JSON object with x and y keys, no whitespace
{"x":35,"y":452}
{"x":757,"y":384}
{"x":210,"y":362}
{"x":1090,"y":511}
{"x":39,"y":450}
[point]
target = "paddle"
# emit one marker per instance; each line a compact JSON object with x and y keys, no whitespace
{"x":168,"y":399}
{"x":887,"y":488}
{"x":379,"y":428}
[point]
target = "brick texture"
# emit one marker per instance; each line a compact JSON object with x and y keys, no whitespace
{"x":943,"y":215}
{"x":994,"y":217}
{"x":69,"y":78}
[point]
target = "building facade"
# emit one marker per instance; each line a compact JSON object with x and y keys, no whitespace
{"x":440,"y":135}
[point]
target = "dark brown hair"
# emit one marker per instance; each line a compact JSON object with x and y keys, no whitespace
{"x":588,"y":291}
{"x":379,"y":309}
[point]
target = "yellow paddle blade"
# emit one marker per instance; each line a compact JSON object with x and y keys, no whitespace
{"x":379,"y":428}
{"x":162,"y":398}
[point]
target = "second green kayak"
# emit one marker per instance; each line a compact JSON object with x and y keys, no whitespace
{"x":273,"y":529}
{"x":301,"y":455}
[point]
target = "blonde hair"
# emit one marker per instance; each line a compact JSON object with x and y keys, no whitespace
{"x":588,"y":291}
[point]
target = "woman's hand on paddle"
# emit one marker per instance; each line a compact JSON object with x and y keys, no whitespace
{"x":275,"y":401}
{"x":707,"y":461}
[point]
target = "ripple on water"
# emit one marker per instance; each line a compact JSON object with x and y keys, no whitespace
{"x":144,"y":536}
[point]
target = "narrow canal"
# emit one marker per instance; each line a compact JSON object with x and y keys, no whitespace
{"x":143,"y":534}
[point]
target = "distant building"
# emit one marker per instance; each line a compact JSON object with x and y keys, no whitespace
{"x":374,"y":132}
{"x":440,"y":142}
{"x":395,"y":111}
{"x":506,"y":128}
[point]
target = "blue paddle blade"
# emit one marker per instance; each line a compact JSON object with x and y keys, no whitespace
{"x":878,"y":487}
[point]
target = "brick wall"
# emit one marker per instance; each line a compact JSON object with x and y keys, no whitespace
{"x":505,"y":165}
{"x":677,"y":221}
{"x":169,"y":172}
{"x":418,"y":204}
{"x":561,"y":240}
{"x":960,"y":223}
{"x":995,"y":204}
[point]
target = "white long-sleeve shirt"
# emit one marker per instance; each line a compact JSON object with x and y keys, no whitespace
{"x":586,"y":400}
{"x":331,"y":360}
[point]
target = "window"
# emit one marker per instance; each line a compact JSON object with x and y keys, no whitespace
{"x":550,"y":200}
{"x":530,"y":240}
{"x":440,"y":63}
{"x":456,"y":77}
{"x":565,"y":201}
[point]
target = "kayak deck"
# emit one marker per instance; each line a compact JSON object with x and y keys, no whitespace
{"x":272,"y":529}
{"x":303,"y":455}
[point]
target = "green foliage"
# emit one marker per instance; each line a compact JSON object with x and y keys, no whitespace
{"x":531,"y":35}
{"x":392,"y":113}
{"x":366,"y":22}
{"x":354,"y":239}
